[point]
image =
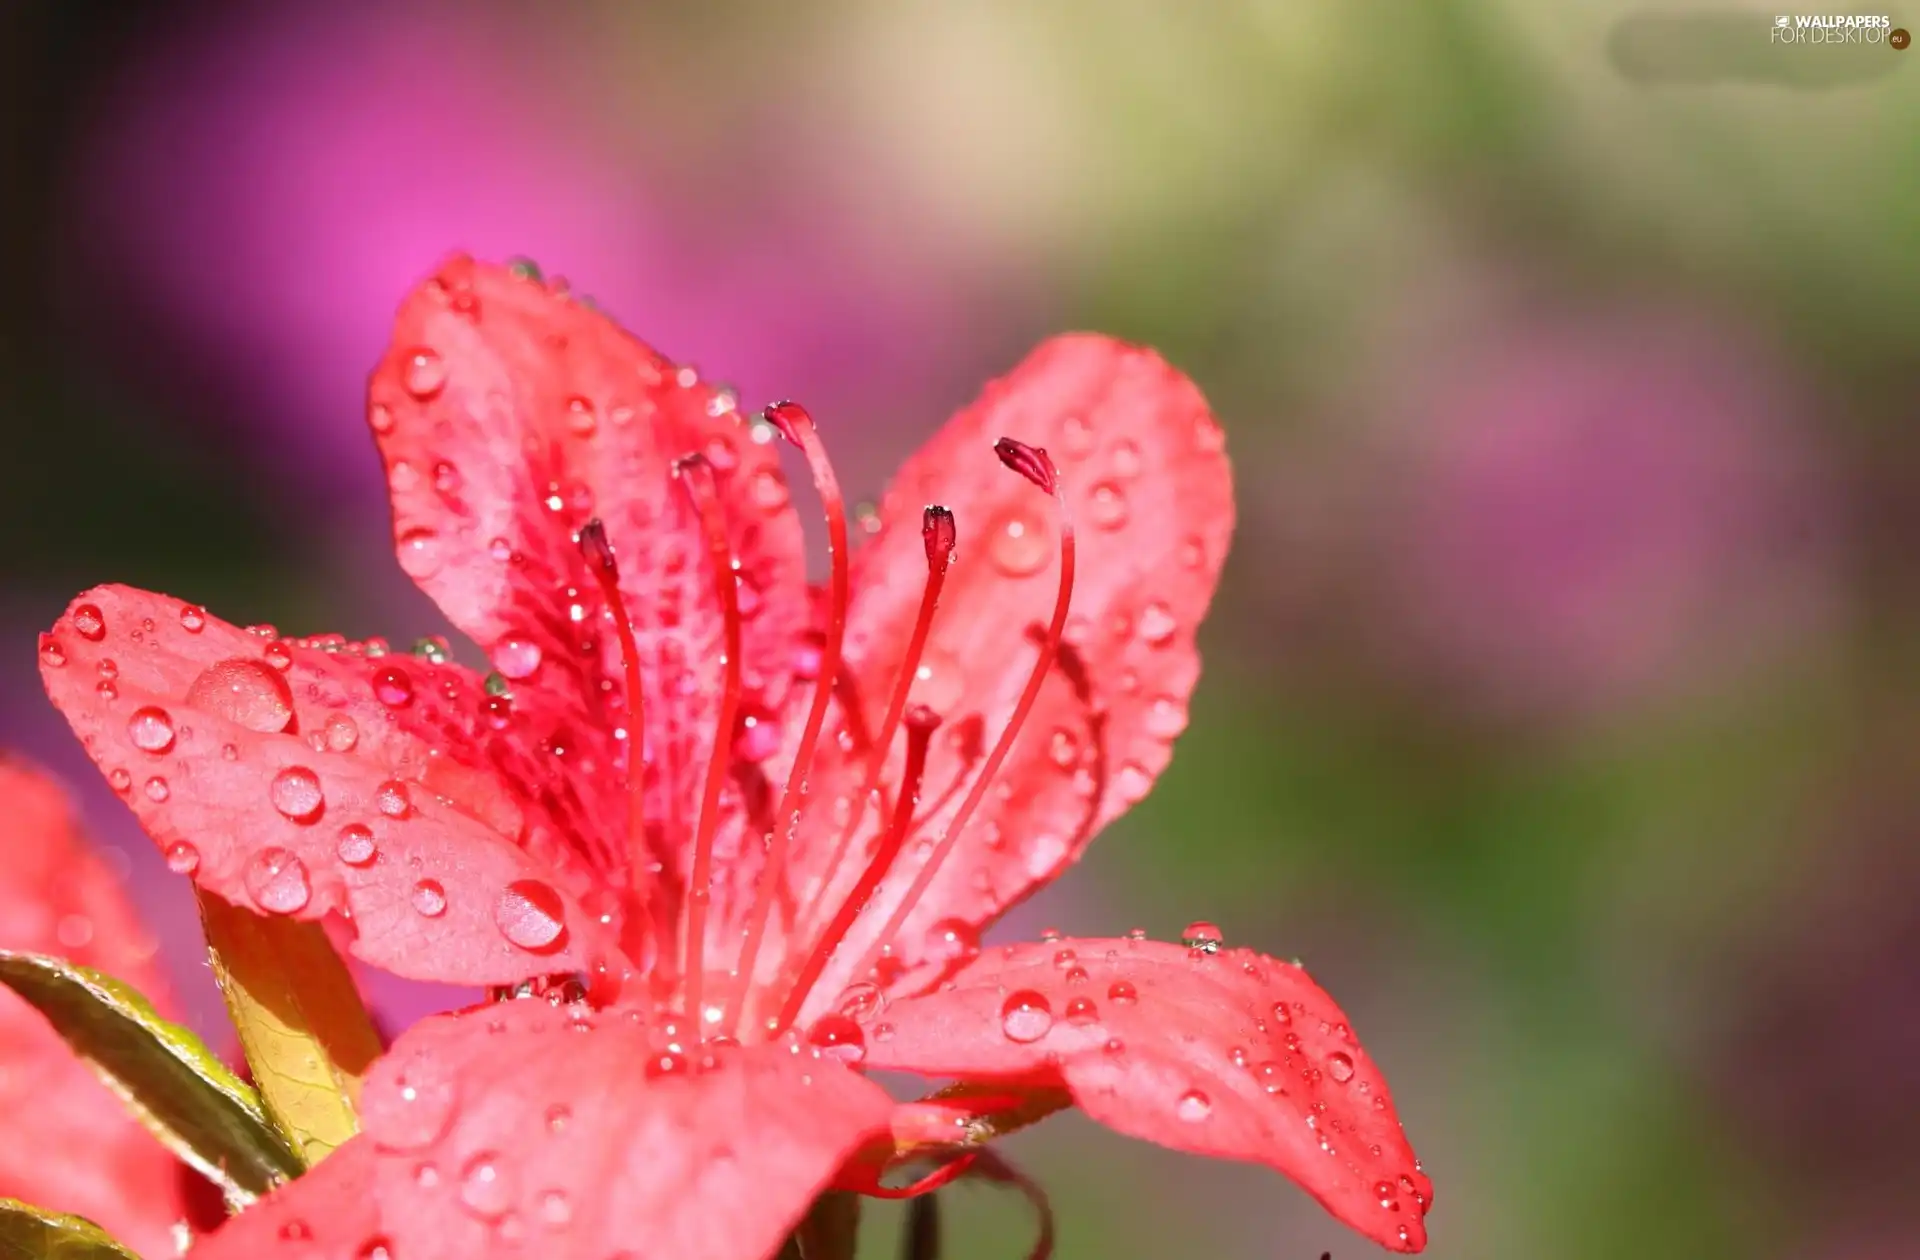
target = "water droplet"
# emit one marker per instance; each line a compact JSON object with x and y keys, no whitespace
{"x":1156,"y":625}
{"x":420,"y":554}
{"x":861,"y":1001}
{"x":531,"y":915}
{"x":555,"y":1208}
{"x":1107,"y":506}
{"x":952,"y":940}
{"x":517,"y":657}
{"x":429,"y":898}
{"x":837,"y":1036}
{"x":1281,"y":1015}
{"x":756,"y":735}
{"x":582,"y":419}
{"x":558,"y":1117}
{"x":355,"y":845}
{"x":1194,"y":1106}
{"x":1076,"y":436}
{"x":107,"y":691}
{"x":119,"y":780}
{"x":1019,"y":543}
{"x":1026,"y":1016}
{"x":245,"y":692}
{"x":182,"y":858}
{"x":52,"y":654}
{"x":279,"y":655}
{"x":377,"y":1248}
{"x":1082,"y":1011}
{"x":342,"y":733}
{"x":498,"y":711}
{"x":193,"y":618}
{"x":486,"y":1186}
{"x":1131,"y":782}
{"x":939,"y":682}
{"x":295,"y":1231}
{"x":392,"y":687}
{"x":1340,"y":1067}
{"x":277,"y":881}
{"x":769,"y":490}
{"x":1123,"y":992}
{"x":1126,"y":459}
{"x":424,"y":373}
{"x":1166,"y":717}
{"x":1202,"y":937}
{"x":295,"y":792}
{"x":151,"y":729}
{"x":89,"y":621}
{"x":157,"y":789}
{"x":391,"y":799}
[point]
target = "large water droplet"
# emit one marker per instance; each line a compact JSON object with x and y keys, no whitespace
{"x":486,"y":1186}
{"x":1107,"y":506}
{"x":1194,"y":1106}
{"x":295,"y":792}
{"x":193,"y":618}
{"x":277,"y":881}
{"x":517,"y":657}
{"x":423,"y":373}
{"x":1123,"y":992}
{"x":1082,"y":1011}
{"x":429,"y":898}
{"x":1272,"y":1077}
{"x":1026,"y":1016}
{"x":89,"y":621}
{"x":1202,"y":937}
{"x":392,"y":687}
{"x":355,"y":845}
{"x":151,"y":729}
{"x":1019,"y":543}
{"x":952,"y":940}
{"x":342,"y":733}
{"x":1340,"y":1067}
{"x":52,"y":654}
{"x":182,"y":858}
{"x":939,"y":682}
{"x":837,"y":1036}
{"x":246,"y":692}
{"x":391,"y":799}
{"x":531,"y":915}
{"x":419,"y":552}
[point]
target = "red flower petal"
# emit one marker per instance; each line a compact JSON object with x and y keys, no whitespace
{"x":1230,"y":1054}
{"x":71,"y":1146}
{"x":1141,"y":462}
{"x":275,"y":775}
{"x":521,"y":1130}
{"x":510,"y":414}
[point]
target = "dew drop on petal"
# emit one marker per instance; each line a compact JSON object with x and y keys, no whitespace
{"x":246,"y":692}
{"x":1019,"y":543}
{"x":295,"y":792}
{"x":1026,"y":1016}
{"x":861,"y":1001}
{"x":342,"y":733}
{"x":429,"y":898}
{"x":517,"y":657}
{"x":486,"y":1186}
{"x":837,"y":1036}
{"x":423,"y":373}
{"x":157,"y":789}
{"x":1194,"y":1106}
{"x":375,"y":1249}
{"x":952,"y":940}
{"x":119,"y":780}
{"x":419,"y":551}
{"x":52,"y":654}
{"x":1156,"y":625}
{"x":392,"y":687}
{"x":1082,"y":1011}
{"x":182,"y":858}
{"x":355,"y":845}
{"x":558,"y":1117}
{"x":1340,"y":1067}
{"x":277,"y":881}
{"x":90,"y":622}
{"x":1123,"y":992}
{"x":193,"y":618}
{"x":1107,"y":506}
{"x":391,"y":799}
{"x":531,"y":915}
{"x":555,"y":1208}
{"x":1201,"y":937}
{"x":1272,"y":1077}
{"x":151,"y":729}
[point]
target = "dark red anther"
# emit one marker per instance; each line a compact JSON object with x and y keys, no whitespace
{"x":596,"y":550}
{"x":1031,"y":462}
{"x":938,"y":530}
{"x":789,"y":417}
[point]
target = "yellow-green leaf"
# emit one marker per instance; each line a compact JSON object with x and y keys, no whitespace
{"x":307,"y":1037}
{"x":168,"y":1078}
{"x":27,"y":1233}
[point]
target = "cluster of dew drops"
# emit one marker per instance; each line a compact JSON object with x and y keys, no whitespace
{"x":253,"y":693}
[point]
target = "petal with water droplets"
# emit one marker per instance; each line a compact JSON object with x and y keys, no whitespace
{"x":1224,"y":1053}
{"x":84,"y":1154}
{"x":260,"y":783}
{"x":540,"y":1135}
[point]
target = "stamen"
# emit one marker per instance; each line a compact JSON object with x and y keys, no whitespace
{"x":696,"y":474}
{"x":1032,"y":463}
{"x":937,"y":531}
{"x":921,"y":724}
{"x":797,"y":427}
{"x":598,"y":554}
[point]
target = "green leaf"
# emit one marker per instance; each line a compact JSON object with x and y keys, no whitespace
{"x":204,"y":1114}
{"x":27,"y":1233}
{"x":308,"y":1039}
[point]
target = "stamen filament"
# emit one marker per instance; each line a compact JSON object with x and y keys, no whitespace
{"x":1032,"y":463}
{"x":696,"y":475}
{"x":938,"y":533}
{"x":598,"y":554}
{"x":797,"y":427}
{"x":921,"y":724}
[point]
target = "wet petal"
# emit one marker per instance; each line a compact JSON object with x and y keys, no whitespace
{"x":71,"y":1146}
{"x":1225,"y":1053}
{"x":524,"y":1129}
{"x":276,"y":775}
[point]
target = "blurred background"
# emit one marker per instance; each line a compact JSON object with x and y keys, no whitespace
{"x":1560,"y":705}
